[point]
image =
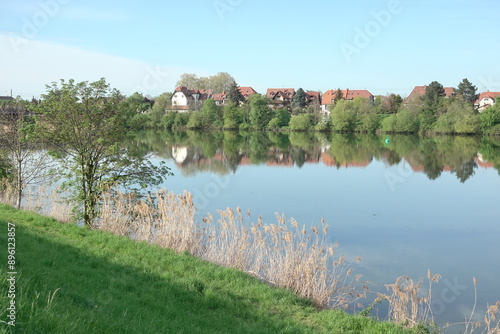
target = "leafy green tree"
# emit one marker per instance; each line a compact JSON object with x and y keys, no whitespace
{"x":466,"y":91}
{"x":394,"y":102}
{"x":299,"y":99}
{"x":189,"y":80}
{"x":85,"y":124}
{"x":260,"y":112}
{"x":433,"y":105}
{"x":212,"y":115}
{"x":221,"y":82}
{"x":234,"y":95}
{"x":159,"y":109}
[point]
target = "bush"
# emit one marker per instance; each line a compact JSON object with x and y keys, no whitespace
{"x":368,"y":123}
{"x":300,"y":122}
{"x":467,"y":124}
{"x":388,"y":124}
{"x":195,"y":120}
{"x":181,"y":120}
{"x":168,"y":120}
{"x":274,"y":124}
{"x":406,"y":122}
{"x":445,"y":124}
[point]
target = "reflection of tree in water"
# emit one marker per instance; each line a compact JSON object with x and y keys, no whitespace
{"x":225,"y":152}
{"x":465,"y":171}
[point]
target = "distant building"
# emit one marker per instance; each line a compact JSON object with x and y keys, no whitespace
{"x":221,"y":99}
{"x":328,"y":97}
{"x":280,"y":97}
{"x":6,"y":98}
{"x":313,"y":99}
{"x":185,"y":99}
{"x":420,"y":91}
{"x":486,"y":99}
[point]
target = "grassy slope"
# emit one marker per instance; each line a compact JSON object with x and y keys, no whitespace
{"x":108,"y":284}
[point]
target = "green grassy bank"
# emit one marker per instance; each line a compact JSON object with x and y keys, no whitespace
{"x":74,"y":280}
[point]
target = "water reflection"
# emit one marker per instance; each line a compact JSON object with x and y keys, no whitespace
{"x":224,"y":152}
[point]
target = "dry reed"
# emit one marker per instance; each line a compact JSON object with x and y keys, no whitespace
{"x":44,"y":200}
{"x":407,"y":305}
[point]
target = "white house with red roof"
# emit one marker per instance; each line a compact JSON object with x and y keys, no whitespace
{"x":486,"y":99}
{"x":328,"y":98}
{"x":183,"y":98}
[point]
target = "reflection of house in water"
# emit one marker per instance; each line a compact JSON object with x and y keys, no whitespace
{"x":482,"y":162}
{"x":179,"y":153}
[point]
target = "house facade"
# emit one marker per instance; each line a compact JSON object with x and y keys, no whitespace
{"x":486,"y":99}
{"x":280,"y":97}
{"x":328,"y":98}
{"x":185,"y":99}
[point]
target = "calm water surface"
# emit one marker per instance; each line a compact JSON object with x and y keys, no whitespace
{"x":405,"y":205}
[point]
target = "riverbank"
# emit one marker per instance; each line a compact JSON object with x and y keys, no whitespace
{"x":74,"y":280}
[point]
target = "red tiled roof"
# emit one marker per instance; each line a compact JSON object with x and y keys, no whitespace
{"x":491,"y":95}
{"x":247,"y":91}
{"x":420,"y":91}
{"x":311,"y":96}
{"x":220,"y":97}
{"x":287,"y":93}
{"x":348,"y":94}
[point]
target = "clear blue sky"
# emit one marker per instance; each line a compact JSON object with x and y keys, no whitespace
{"x":380,"y":45}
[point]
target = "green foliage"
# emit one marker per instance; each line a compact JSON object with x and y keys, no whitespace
{"x":260,"y":112}
{"x":390,"y":104}
{"x":234,"y":95}
{"x":403,"y":122}
{"x":338,"y":95}
{"x":344,"y":116}
{"x":221,"y":82}
{"x":460,"y":118}
{"x":280,"y":120}
{"x":300,"y":122}
{"x":233,"y":116}
{"x":87,"y":126}
{"x":299,"y":99}
{"x":368,"y":122}
{"x":490,"y":117}
{"x":210,"y":116}
{"x":466,"y":91}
